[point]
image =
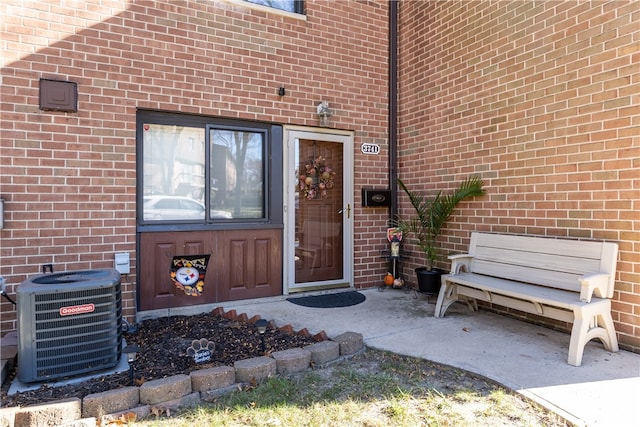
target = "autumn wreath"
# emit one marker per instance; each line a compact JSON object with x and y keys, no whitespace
{"x":316,"y":179}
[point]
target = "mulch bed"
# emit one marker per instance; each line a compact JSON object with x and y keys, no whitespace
{"x":164,"y":344}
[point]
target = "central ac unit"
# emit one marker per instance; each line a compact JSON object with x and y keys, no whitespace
{"x":69,"y":324}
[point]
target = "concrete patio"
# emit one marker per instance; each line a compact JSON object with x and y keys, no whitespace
{"x":604,"y":391}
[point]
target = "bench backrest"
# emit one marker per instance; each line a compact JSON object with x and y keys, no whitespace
{"x":556,"y":263}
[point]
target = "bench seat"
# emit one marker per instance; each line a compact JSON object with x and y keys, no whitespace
{"x":539,"y":276}
{"x":494,"y":286}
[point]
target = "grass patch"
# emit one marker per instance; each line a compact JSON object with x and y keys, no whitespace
{"x":372,"y":389}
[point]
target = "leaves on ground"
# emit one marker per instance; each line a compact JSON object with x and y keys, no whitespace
{"x":163,"y":346}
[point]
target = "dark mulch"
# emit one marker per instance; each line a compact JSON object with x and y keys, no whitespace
{"x":163,"y":352}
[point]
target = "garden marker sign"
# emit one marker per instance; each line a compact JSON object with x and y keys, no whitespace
{"x":201,"y":350}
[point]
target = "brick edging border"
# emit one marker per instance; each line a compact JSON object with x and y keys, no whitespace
{"x":165,"y":395}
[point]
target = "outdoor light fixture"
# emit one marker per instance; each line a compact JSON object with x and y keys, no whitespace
{"x":324,"y":113}
{"x":261,"y":324}
{"x":132,"y":352}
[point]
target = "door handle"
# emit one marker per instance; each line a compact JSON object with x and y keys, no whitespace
{"x":348,"y":209}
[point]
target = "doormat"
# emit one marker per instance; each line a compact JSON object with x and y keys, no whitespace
{"x":340,"y":299}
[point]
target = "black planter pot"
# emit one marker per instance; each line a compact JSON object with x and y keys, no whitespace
{"x":429,"y":280}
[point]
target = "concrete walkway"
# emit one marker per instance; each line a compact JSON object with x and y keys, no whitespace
{"x":604,"y":391}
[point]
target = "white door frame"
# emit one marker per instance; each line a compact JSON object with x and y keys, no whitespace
{"x":290,"y":134}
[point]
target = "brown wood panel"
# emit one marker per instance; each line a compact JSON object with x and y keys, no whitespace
{"x":244,"y":264}
{"x":154,"y":292}
{"x":262,"y":263}
{"x":255,"y":262}
{"x":155,"y":286}
{"x":237,"y":262}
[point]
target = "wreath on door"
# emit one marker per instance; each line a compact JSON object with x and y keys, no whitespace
{"x":316,"y":179}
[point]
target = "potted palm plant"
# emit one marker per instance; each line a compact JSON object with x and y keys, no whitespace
{"x":431,"y":213}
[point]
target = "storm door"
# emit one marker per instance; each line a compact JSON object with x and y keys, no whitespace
{"x":319,"y":211}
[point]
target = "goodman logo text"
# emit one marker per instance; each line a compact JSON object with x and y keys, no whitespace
{"x":77,"y":309}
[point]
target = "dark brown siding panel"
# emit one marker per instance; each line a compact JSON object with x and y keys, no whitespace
{"x":238,"y":260}
{"x":243,"y":264}
{"x":156,"y":254}
{"x":256,"y":267}
{"x":262,"y":266}
{"x":156,"y":291}
{"x":193,"y":248}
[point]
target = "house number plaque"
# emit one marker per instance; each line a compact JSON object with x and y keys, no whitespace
{"x":367,"y":148}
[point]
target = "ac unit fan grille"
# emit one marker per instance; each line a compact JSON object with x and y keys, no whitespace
{"x":68,"y":329}
{"x":55,"y":348}
{"x":62,"y":366}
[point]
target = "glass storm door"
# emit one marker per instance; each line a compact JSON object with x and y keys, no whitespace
{"x":319,"y":211}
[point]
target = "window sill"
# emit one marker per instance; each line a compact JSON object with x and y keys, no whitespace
{"x":164,"y":227}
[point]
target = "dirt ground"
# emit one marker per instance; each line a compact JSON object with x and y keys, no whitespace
{"x":166,"y":347}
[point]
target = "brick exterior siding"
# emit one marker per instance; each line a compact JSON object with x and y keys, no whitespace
{"x":69,"y":179}
{"x":541,"y":100}
{"x":538,"y":98}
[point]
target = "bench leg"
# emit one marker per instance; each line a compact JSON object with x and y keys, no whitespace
{"x":591,"y":322}
{"x":472,"y":303}
{"x":446,"y":297}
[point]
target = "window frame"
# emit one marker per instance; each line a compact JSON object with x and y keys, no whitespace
{"x":248,"y":5}
{"x":298,"y":6}
{"x":272,"y":171}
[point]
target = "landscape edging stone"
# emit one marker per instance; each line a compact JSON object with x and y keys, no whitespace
{"x":190,"y":395}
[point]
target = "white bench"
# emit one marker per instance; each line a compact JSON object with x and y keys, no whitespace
{"x":566,"y":280}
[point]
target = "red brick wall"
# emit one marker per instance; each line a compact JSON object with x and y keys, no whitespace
{"x":69,"y":179}
{"x":541,"y":100}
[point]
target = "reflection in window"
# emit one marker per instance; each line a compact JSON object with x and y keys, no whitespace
{"x":202,"y":170}
{"x":173,"y":170}
{"x":237,"y":173}
{"x":294,"y":6}
{"x":172,"y":208}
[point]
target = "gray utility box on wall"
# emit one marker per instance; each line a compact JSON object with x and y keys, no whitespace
{"x":69,"y":324}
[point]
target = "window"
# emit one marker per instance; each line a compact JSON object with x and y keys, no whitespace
{"x":173,"y":168}
{"x":237,"y":173}
{"x":201,"y":170}
{"x":294,"y":6}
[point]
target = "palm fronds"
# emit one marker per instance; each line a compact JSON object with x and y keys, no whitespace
{"x":432,"y":213}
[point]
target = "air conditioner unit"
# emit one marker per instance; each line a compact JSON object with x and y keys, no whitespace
{"x":69,"y":324}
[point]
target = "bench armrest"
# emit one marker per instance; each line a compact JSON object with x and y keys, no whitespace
{"x":459,"y":262}
{"x":593,"y":284}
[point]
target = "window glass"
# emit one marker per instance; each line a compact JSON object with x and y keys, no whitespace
{"x":294,"y":6}
{"x":205,"y":170}
{"x":174,"y":172}
{"x":237,"y":174}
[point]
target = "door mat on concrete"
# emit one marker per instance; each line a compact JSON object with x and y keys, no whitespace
{"x":340,"y":299}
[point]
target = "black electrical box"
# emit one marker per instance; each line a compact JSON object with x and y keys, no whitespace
{"x":372,"y":197}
